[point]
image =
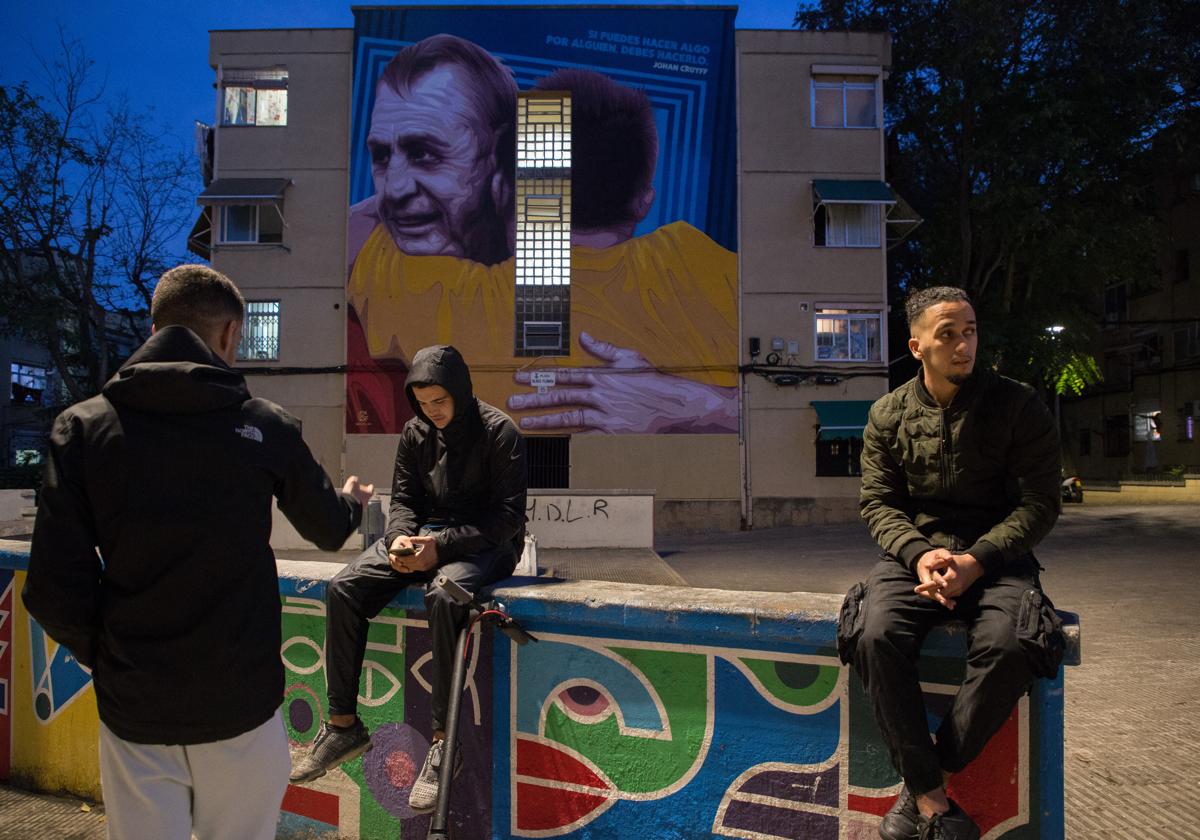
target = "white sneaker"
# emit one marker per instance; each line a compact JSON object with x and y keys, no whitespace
{"x":424,"y":793}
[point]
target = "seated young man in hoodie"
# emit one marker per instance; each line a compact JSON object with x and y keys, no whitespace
{"x":151,"y":562}
{"x":458,"y":498}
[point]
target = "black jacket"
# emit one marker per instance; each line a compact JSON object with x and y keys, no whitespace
{"x":150,"y":558}
{"x":468,"y":478}
{"x":980,"y":477}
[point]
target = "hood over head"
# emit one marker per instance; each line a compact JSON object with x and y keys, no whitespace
{"x":175,"y":372}
{"x":443,"y":365}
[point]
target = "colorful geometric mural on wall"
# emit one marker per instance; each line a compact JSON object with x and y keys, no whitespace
{"x":591,"y":281}
{"x":634,"y":739}
{"x":6,"y":658}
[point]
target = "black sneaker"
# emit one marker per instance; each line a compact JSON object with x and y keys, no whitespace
{"x":332,"y":747}
{"x":952,"y":825}
{"x":900,"y":823}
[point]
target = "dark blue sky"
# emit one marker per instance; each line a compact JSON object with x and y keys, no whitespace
{"x":156,"y":53}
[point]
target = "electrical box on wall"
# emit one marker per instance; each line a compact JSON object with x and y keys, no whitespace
{"x":776,"y":343}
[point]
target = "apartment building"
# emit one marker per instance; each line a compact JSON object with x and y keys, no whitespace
{"x":669,"y":268}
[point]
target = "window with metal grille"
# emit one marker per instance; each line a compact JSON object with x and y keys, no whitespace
{"x":27,"y":383}
{"x":543,"y":230}
{"x":548,"y":461}
{"x":839,"y":456}
{"x":260,"y":333}
{"x":849,"y":335}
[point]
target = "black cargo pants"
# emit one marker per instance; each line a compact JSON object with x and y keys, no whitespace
{"x":364,"y":587}
{"x":894,"y":621}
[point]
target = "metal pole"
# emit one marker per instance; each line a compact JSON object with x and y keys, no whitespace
{"x":438,"y":826}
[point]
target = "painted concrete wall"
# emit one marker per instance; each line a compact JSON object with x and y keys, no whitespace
{"x":641,"y":712}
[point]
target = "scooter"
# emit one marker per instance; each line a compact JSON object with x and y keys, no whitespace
{"x":490,"y":612}
{"x":1072,"y":489}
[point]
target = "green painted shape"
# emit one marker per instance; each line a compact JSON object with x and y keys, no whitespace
{"x":870,"y":763}
{"x":795,"y":683}
{"x":637,"y":764}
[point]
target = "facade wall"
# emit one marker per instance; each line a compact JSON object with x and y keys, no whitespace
{"x":786,"y":277}
{"x":306,"y":272}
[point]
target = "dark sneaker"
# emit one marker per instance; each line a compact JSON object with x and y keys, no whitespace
{"x":952,"y":825}
{"x":424,"y":792}
{"x":332,"y":747}
{"x":900,"y":823}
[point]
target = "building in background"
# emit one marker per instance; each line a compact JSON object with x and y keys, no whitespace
{"x":660,"y":244}
{"x":1143,"y":419}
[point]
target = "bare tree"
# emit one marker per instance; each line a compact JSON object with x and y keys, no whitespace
{"x":90,"y":202}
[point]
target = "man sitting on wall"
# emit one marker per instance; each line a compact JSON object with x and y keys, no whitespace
{"x":458,"y":499}
{"x":960,"y":480}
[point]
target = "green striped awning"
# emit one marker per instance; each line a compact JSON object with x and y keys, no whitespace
{"x":841,"y":418}
{"x":853,"y":192}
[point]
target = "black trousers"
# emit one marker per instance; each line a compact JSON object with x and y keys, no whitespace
{"x":359,"y":591}
{"x":895,"y":623}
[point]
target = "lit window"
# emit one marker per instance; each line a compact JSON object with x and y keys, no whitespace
{"x":848,"y":335}
{"x":27,"y":384}
{"x":847,"y":226}
{"x":251,"y":224}
{"x":260,"y":333}
{"x":254,"y":97}
{"x":843,"y":101}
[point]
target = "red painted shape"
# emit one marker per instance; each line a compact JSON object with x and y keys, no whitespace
{"x":989,"y":787}
{"x":543,"y":808}
{"x":542,"y":761}
{"x":877,"y":805}
{"x":322,"y":807}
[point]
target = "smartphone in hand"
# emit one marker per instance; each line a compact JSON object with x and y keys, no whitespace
{"x":403,"y":551}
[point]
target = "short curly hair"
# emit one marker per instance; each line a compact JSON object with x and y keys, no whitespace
{"x":921,"y":299}
{"x":197,"y":297}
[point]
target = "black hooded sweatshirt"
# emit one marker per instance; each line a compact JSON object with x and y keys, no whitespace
{"x":468,"y":479}
{"x":150,"y":558}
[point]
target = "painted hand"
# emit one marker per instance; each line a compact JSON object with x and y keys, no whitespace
{"x":626,"y":396}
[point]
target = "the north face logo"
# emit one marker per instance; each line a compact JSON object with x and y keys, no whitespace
{"x":250,"y":433}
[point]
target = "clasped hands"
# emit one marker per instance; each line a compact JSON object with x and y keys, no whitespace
{"x":424,"y":558}
{"x":945,"y":576}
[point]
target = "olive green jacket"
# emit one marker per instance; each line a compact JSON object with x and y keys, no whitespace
{"x":981,"y":477}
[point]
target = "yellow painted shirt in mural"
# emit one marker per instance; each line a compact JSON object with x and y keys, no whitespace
{"x":671,"y":295}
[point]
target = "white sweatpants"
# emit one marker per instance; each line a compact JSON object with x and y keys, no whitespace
{"x":224,"y":790}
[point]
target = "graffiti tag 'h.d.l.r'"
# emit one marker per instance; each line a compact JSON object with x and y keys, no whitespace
{"x":541,"y":510}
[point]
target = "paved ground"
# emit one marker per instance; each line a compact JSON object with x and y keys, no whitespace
{"x":1133,"y":574}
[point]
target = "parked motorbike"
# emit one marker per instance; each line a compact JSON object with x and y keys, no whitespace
{"x":1072,"y":489}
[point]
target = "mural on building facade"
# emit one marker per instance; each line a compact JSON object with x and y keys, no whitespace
{"x":448,"y":237}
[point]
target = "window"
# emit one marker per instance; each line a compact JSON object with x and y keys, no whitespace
{"x":27,"y":384}
{"x":847,"y":226}
{"x":1085,"y":441}
{"x":251,"y":224}
{"x":1116,"y":303}
{"x":1116,"y":436}
{"x":254,"y":97}
{"x":1187,"y":421}
{"x":1148,"y":353}
{"x":1187,"y":342}
{"x":260,"y":334}
{"x":839,"y":457}
{"x":548,"y":460}
{"x":849,"y":335}
{"x":843,"y":101}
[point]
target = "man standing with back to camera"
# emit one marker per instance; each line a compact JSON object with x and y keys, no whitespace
{"x":151,"y":563}
{"x":960,"y":480}
{"x":458,"y":509}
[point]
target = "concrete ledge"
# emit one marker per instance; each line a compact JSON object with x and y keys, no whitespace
{"x":641,"y":712}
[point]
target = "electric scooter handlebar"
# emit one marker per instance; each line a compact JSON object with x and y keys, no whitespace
{"x":504,"y":623}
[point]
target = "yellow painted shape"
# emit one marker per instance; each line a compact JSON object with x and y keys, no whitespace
{"x":61,"y":755}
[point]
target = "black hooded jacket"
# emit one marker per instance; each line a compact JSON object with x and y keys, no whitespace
{"x":150,"y":558}
{"x":468,"y":478}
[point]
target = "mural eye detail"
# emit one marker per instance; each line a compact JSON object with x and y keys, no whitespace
{"x":584,"y":701}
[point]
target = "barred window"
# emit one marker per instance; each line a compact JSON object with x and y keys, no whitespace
{"x":260,"y":334}
{"x":254,"y":97}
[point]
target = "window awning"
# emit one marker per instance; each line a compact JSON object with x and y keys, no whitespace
{"x":852,"y":192}
{"x":199,"y":240}
{"x":225,"y":192}
{"x":841,"y":418}
{"x":901,"y":220}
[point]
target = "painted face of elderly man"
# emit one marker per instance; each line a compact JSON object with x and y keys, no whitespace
{"x":441,"y":145}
